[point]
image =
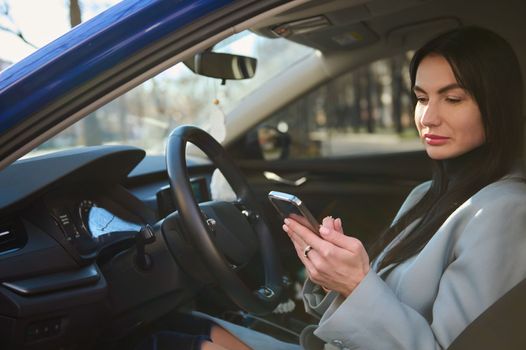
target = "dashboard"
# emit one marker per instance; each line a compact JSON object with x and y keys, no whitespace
{"x":68,"y":228}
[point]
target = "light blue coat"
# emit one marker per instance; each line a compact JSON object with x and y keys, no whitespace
{"x":476,"y":256}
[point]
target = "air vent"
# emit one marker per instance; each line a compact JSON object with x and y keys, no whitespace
{"x":12,"y":235}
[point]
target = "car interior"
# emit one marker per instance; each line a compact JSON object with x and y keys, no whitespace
{"x":101,"y":244}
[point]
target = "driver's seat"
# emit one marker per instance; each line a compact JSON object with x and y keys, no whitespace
{"x":501,"y":326}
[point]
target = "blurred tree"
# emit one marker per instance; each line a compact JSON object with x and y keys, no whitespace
{"x":369,"y":92}
{"x":75,"y":15}
{"x":397,"y":91}
{"x":358,"y":100}
{"x":9,"y":24}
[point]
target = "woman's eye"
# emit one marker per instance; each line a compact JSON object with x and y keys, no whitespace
{"x":421,"y":99}
{"x":453,"y":99}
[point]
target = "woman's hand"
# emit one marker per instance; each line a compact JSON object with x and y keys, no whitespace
{"x":336,"y":261}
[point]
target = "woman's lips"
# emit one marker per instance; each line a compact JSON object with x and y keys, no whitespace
{"x":435,"y":140}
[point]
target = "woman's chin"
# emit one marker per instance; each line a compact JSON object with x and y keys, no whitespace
{"x":437,"y":154}
{"x":441,"y":153}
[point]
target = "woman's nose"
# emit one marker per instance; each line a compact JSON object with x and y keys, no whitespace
{"x":430,"y":115}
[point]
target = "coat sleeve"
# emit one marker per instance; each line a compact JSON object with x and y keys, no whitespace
{"x":315,"y":299}
{"x":487,"y":260}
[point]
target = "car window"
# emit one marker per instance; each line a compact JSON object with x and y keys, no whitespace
{"x":367,"y":110}
{"x":145,"y":116}
{"x":26,"y":25}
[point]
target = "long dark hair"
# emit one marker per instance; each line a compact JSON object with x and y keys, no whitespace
{"x":485,"y":65}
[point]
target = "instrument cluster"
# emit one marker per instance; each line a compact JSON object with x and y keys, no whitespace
{"x":89,"y":223}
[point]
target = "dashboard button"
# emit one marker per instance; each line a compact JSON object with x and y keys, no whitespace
{"x":43,"y":329}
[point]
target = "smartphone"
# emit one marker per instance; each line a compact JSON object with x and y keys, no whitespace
{"x":288,"y":205}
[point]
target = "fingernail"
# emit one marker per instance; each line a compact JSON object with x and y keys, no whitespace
{"x":287,"y":221}
{"x":324,"y":230}
{"x":285,"y":228}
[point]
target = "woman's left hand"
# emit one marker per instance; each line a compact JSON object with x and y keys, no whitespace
{"x":336,"y":261}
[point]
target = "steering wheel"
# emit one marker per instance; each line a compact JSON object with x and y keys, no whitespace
{"x":226,"y":235}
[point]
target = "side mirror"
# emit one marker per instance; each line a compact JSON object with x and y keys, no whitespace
{"x":222,"y":65}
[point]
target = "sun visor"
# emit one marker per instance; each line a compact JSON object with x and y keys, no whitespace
{"x":320,"y":33}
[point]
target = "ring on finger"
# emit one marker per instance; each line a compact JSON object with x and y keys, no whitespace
{"x":306,"y":251}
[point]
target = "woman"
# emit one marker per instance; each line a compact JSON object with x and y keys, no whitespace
{"x":456,"y":244}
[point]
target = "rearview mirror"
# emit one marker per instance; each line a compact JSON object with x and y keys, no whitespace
{"x":222,"y":65}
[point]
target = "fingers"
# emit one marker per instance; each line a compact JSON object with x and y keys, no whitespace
{"x":334,"y":235}
{"x":313,"y":258}
{"x":328,"y":222}
{"x":299,"y":218}
{"x":296,"y":239}
{"x":299,"y":246}
{"x":305,"y":234}
{"x":348,"y":243}
{"x":337,"y":238}
{"x":333,"y":224}
{"x":338,"y":225}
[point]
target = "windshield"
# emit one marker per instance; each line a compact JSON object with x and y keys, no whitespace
{"x":145,"y":116}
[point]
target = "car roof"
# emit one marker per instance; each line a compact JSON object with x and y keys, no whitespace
{"x":401,"y":24}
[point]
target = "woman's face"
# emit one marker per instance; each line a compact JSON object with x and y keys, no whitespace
{"x":447,"y":118}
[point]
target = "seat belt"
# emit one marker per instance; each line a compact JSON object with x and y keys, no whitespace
{"x":501,"y":326}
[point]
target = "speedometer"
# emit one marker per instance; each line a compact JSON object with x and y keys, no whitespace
{"x":89,"y":224}
{"x":98,"y":221}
